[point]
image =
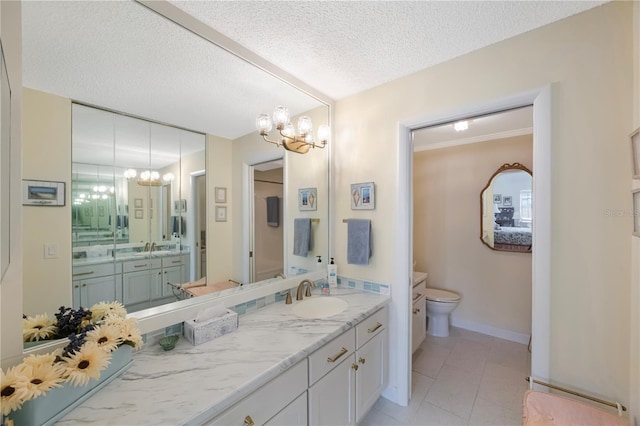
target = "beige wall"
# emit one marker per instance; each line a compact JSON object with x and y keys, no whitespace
{"x":588,"y":60}
{"x":495,"y":286}
{"x":46,"y":155}
{"x":269,"y":240}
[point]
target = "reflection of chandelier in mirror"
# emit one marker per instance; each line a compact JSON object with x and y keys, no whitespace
{"x":99,"y":192}
{"x":149,"y":177}
{"x":301,"y":142}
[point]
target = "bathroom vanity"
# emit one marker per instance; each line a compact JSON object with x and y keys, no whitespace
{"x":275,"y":368}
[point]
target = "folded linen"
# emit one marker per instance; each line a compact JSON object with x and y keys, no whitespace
{"x":302,"y":237}
{"x":359,"y":241}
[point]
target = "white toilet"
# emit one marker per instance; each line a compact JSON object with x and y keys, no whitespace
{"x":440,"y":303}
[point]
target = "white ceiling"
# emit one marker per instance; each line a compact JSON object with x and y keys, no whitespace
{"x":121,"y":56}
{"x":344,"y":47}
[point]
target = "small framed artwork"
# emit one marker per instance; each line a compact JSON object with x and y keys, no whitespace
{"x":137,"y":203}
{"x":635,"y":153}
{"x":497,"y":198}
{"x":221,"y":194}
{"x":363,"y":196}
{"x":221,"y":213}
{"x":139,"y":214}
{"x":636,"y":212}
{"x":506,"y":201}
{"x":307,"y":199}
{"x":43,"y":193}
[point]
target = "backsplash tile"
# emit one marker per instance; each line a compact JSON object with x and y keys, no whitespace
{"x":364,"y":285}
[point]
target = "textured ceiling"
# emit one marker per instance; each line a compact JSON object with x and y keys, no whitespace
{"x":122,"y":56}
{"x":343,"y":47}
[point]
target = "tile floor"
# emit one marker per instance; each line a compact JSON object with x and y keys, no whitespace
{"x":467,"y":378}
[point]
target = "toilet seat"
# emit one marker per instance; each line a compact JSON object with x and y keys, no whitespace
{"x":438,"y":295}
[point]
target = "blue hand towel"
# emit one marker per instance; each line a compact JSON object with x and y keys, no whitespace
{"x":273,"y":211}
{"x":302,"y":241}
{"x":359,"y":241}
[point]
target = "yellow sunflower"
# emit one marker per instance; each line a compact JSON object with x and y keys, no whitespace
{"x":40,"y":327}
{"x":85,"y":364}
{"x":107,"y":336}
{"x":101,"y":310}
{"x":42,"y":374}
{"x":128,"y":330}
{"x":12,"y":389}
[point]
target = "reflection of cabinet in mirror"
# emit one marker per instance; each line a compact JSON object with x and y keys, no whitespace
{"x":128,"y":239}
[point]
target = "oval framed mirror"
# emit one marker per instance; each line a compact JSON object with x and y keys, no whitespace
{"x":506,"y":209}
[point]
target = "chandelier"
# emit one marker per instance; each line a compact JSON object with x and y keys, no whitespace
{"x":300,"y":142}
{"x":149,"y":177}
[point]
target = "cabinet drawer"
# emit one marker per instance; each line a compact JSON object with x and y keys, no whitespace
{"x":171,"y":261}
{"x":141,"y":265}
{"x":371,"y":326}
{"x":330,"y":355}
{"x":267,"y":401}
{"x":97,"y":270}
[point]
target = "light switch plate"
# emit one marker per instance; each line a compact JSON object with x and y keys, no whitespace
{"x":51,"y":251}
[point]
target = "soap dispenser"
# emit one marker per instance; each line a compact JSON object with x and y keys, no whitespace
{"x":332,"y":274}
{"x":319,"y":263}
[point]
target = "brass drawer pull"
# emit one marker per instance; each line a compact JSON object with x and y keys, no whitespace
{"x":176,"y":261}
{"x":362,"y":360}
{"x":335,"y":357}
{"x":248,"y":421}
{"x":139,"y":266}
{"x":417,"y":296}
{"x":416,"y":310}
{"x":354,"y":366}
{"x":371,"y":330}
{"x":83,"y":273}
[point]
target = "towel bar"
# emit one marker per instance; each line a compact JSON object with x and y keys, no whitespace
{"x":581,"y":395}
{"x":345,"y":220}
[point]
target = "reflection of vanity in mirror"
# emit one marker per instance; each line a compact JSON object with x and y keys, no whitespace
{"x":506,"y":209}
{"x":148,"y":96}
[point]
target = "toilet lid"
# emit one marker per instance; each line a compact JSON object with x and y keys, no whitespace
{"x":442,"y":295}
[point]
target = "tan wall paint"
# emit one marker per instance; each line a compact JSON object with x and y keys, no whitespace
{"x":46,"y":155}
{"x":11,"y":286}
{"x":495,"y":286}
{"x":588,"y":59}
{"x":269,"y":240}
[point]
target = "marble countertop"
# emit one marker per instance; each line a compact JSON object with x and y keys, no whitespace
{"x":192,"y":383}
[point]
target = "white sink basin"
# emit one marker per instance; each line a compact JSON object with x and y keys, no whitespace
{"x":319,"y":307}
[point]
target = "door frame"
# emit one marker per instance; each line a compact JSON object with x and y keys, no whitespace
{"x":541,"y":99}
{"x":194,"y":218}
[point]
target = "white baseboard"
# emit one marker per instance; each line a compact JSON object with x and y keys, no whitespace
{"x":491,"y":331}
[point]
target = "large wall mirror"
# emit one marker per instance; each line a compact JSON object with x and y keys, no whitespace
{"x":116,"y":88}
{"x":506,"y":208}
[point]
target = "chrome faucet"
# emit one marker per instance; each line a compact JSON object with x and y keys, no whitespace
{"x":301,"y":285}
{"x":153,"y":246}
{"x":146,"y":246}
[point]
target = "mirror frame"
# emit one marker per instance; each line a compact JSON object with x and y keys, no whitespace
{"x":503,"y":168}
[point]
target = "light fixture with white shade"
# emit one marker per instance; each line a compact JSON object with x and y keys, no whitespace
{"x":300,"y":142}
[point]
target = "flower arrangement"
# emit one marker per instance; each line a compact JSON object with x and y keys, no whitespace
{"x":93,"y":334}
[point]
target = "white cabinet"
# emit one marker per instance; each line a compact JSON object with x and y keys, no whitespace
{"x":262,"y":405}
{"x":89,"y":291}
{"x":294,"y":414}
{"x":331,"y":399}
{"x":419,"y":309}
{"x":96,"y":283}
{"x":349,"y":389}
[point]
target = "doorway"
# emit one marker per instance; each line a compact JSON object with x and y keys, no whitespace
{"x":267,"y":240}
{"x":452,"y":165}
{"x":541,"y":260}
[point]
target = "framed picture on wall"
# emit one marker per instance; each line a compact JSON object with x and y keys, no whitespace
{"x":221,"y":194}
{"x":139,"y":214}
{"x":363,"y":196}
{"x":506,"y":201}
{"x":635,"y":153}
{"x":221,"y":213}
{"x":307,"y":199}
{"x":137,"y":203}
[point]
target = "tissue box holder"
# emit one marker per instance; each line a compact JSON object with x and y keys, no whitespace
{"x":201,"y":332}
